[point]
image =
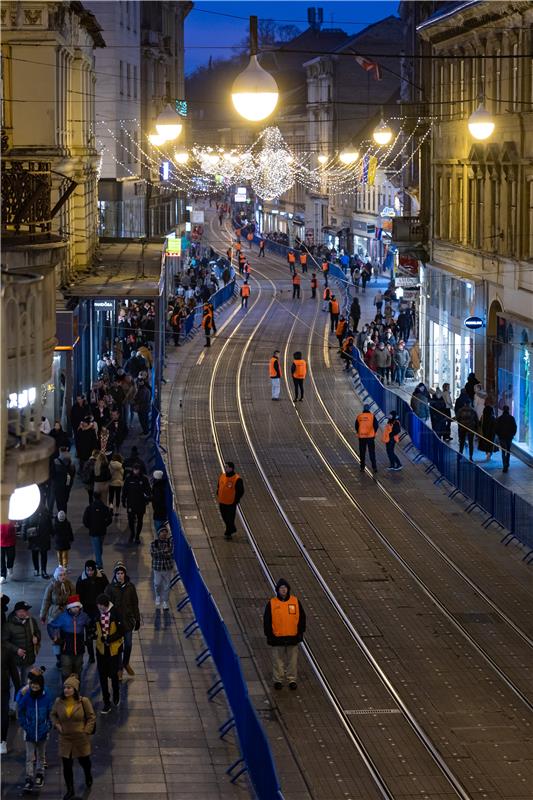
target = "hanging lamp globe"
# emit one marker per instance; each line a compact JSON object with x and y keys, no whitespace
{"x":254,"y":92}
{"x":23,"y":502}
{"x":181,"y":157}
{"x":168,"y":124}
{"x":480,"y":123}
{"x":322,"y":158}
{"x":156,"y":139}
{"x":348,"y":156}
{"x":382,"y":134}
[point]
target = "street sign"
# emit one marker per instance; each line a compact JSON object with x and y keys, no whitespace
{"x":473,"y":323}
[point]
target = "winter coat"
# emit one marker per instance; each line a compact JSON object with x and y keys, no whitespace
{"x":488,"y":432}
{"x":143,"y":398}
{"x":419,"y":404}
{"x":467,"y":417}
{"x":505,"y":427}
{"x":159,"y":499}
{"x":63,"y":473}
{"x":382,"y":358}
{"x":87,"y":475}
{"x":8,"y":534}
{"x":86,"y":442}
{"x":461,"y":401}
{"x":61,"y":439}
{"x":124,"y":598}
{"x":55,"y":598}
{"x":70,"y":631}
{"x":62,"y":534}
{"x":117,"y":473}
{"x":97,"y":517}
{"x":439,"y":420}
{"x":16,"y":634}
{"x":75,"y":733}
{"x":415,"y":357}
{"x":402,"y":357}
{"x":136,"y":493}
{"x":89,"y":588}
{"x":38,"y":530}
{"x":34,"y":715}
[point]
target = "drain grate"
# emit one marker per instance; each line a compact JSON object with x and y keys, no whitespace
{"x":355,"y":712}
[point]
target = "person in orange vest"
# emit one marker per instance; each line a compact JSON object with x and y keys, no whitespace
{"x":230,"y":489}
{"x":296,"y":282}
{"x":291,"y":258}
{"x":238,"y":234}
{"x":261,"y":248}
{"x":242,"y":261}
{"x":229,"y":253}
{"x":208,"y":306}
{"x":207,"y":325}
{"x":303,"y":260}
{"x":391,"y":435}
{"x":238,"y":246}
{"x":340,"y":331}
{"x":298,"y":372}
{"x":366,"y":426}
{"x":325,"y":297}
{"x":250,"y":238}
{"x":334,"y":309}
{"x":314,"y":285}
{"x":245,"y":294}
{"x":274,"y":370}
{"x":284,"y":626}
{"x":346,"y":353}
{"x":325,"y":271}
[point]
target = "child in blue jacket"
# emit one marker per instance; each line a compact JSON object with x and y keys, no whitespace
{"x":34,"y":707}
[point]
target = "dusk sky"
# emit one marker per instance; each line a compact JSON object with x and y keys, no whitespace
{"x":212,"y":28}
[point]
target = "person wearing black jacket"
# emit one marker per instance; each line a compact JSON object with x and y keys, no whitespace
{"x":135,"y":498}
{"x":38,"y":532}
{"x":284,"y":627}
{"x":133,"y":459}
{"x":60,"y":437}
{"x":468,"y":424}
{"x":91,"y":583}
{"x":505,"y":429}
{"x":159,"y":499}
{"x":109,"y":642}
{"x":97,"y":517}
{"x":63,"y":474}
{"x":79,"y":411}
{"x":123,"y":595}
{"x":63,"y":538}
{"x":86,"y":440}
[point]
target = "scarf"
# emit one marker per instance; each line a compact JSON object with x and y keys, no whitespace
{"x":105,"y":622}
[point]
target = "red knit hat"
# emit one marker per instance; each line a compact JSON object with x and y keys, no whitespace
{"x":74,"y":601}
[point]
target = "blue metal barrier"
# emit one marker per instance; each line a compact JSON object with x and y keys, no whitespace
{"x":256,"y":754}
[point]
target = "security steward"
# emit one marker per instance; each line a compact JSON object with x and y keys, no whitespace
{"x":284,"y":627}
{"x":291,"y":258}
{"x":208,"y":306}
{"x":207,"y":325}
{"x":242,"y":262}
{"x":261,"y":248}
{"x":334,"y":309}
{"x":326,"y":298}
{"x":230,"y":489}
{"x":314,"y":285}
{"x":391,"y":435}
{"x":366,"y":426}
{"x":274,"y":370}
{"x":298,"y":372}
{"x":245,"y":294}
{"x":346,"y":352}
{"x":325,"y":271}
{"x":340,"y":331}
{"x":303,"y":260}
{"x":296,"y":283}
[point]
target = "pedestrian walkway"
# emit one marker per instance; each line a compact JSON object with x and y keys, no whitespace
{"x":163,"y":741}
{"x":520,"y":477}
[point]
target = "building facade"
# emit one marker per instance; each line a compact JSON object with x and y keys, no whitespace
{"x":482,"y":204}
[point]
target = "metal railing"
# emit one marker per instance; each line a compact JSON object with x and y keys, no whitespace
{"x":26,"y":197}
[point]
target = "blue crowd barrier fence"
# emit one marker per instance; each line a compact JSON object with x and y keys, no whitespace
{"x":256,"y":755}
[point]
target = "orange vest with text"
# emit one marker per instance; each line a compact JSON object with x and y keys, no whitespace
{"x":325,"y":266}
{"x":226,"y":489}
{"x":366,"y":425}
{"x":303,"y":258}
{"x":301,"y":368}
{"x":387,"y":432}
{"x":292,"y":258}
{"x":285,"y":616}
{"x":334,"y":307}
{"x":272,"y":371}
{"x":245,"y":290}
{"x":296,"y":279}
{"x":341,"y":327}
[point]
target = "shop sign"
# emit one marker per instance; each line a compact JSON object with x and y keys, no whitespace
{"x":103,"y":304}
{"x":198,"y":217}
{"x":370,"y":228}
{"x":473,"y":323}
{"x":387,"y":211}
{"x":408,"y":265}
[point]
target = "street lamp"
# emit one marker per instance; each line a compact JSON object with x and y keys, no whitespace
{"x":168,"y":124}
{"x":382,"y":134}
{"x":254,"y":92}
{"x":322,"y":159}
{"x":181,"y":157}
{"x":156,"y":139}
{"x":348,"y":156}
{"x":23,"y":502}
{"x":480,"y":123}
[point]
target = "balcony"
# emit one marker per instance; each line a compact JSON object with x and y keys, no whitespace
{"x":408,"y":230}
{"x":26,"y":199}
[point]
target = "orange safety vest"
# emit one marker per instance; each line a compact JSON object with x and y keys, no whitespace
{"x":207,"y":321}
{"x":292,"y":258}
{"x":347,"y":344}
{"x":272,"y":371}
{"x":341,"y":327}
{"x":285,"y":616}
{"x":226,"y":489}
{"x":250,"y":237}
{"x":325,"y":266}
{"x":327,"y":293}
{"x":238,"y":245}
{"x":301,"y":368}
{"x":387,"y":432}
{"x":237,"y":232}
{"x":303,"y":258}
{"x":296,"y":279}
{"x":262,"y":244}
{"x":245,"y":290}
{"x":366,"y":425}
{"x":314,"y":283}
{"x":334,"y":307}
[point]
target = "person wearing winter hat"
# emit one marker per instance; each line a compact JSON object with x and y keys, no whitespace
{"x":70,"y":630}
{"x":34,"y":706}
{"x":21,"y":636}
{"x":9,"y":675}
{"x":123,"y":594}
{"x":54,"y":602}
{"x":73,"y":716}
{"x":163,"y":565}
{"x":284,"y":627}
{"x":159,"y":499}
{"x":91,"y":583}
{"x":63,"y":537}
{"x":366,"y":426}
{"x":109,"y":644}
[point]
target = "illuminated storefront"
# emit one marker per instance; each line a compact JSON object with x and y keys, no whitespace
{"x":514,"y":356}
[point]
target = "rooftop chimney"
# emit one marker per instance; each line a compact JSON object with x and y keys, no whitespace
{"x":315,"y":17}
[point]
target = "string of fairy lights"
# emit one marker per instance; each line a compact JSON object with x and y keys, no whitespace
{"x":270,"y":165}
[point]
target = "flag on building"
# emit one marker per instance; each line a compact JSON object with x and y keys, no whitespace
{"x":372,"y":67}
{"x":372,"y":167}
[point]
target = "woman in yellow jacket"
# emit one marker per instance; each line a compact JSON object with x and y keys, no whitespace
{"x":73,"y":716}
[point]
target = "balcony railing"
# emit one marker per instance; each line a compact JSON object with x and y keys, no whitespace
{"x":409,"y":230}
{"x":26,"y":198}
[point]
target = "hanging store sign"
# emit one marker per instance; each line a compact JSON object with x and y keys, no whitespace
{"x":473,"y":323}
{"x":103,"y":304}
